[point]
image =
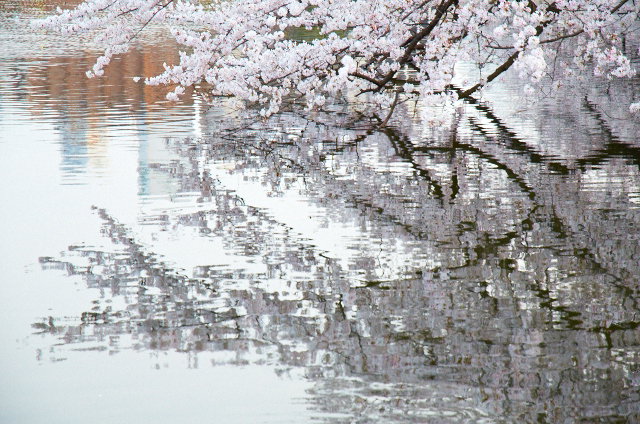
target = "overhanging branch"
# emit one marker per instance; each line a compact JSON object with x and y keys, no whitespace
{"x":413,"y":41}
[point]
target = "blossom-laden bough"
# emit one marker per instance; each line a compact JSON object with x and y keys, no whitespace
{"x":394,"y":50}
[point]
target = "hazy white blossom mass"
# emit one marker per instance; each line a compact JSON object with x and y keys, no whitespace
{"x":391,"y":50}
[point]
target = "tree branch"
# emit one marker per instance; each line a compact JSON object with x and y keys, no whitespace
{"x":499,"y":70}
{"x":618,"y":6}
{"x":562,"y":37}
{"x":413,"y":42}
{"x":512,"y":58}
{"x":393,"y":107}
{"x":366,"y":77}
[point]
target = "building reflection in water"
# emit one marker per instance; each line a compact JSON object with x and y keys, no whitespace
{"x":469,"y":276}
{"x":90,"y":114}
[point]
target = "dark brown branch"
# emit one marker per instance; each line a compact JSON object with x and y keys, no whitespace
{"x":499,"y":47}
{"x":393,"y":107}
{"x":366,"y":77}
{"x":562,"y":37}
{"x":539,"y":29}
{"x":499,"y":70}
{"x":618,"y":6}
{"x":512,"y":58}
{"x":413,"y":41}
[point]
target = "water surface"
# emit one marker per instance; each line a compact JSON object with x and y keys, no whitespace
{"x":159,"y":264}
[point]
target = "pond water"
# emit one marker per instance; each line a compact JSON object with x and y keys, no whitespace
{"x":174,"y":263}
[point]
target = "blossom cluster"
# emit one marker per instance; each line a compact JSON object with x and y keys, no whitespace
{"x":273,"y":52}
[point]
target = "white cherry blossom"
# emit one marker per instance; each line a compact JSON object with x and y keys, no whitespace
{"x":276,"y":52}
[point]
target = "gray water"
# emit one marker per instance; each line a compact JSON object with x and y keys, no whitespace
{"x":178,"y":263}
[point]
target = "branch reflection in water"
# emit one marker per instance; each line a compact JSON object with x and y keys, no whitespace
{"x":458,"y":276}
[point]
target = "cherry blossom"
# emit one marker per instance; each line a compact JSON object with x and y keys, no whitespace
{"x":274,"y":53}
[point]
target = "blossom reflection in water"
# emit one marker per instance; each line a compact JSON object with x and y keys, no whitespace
{"x":309,"y":269}
{"x":462,"y":278}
